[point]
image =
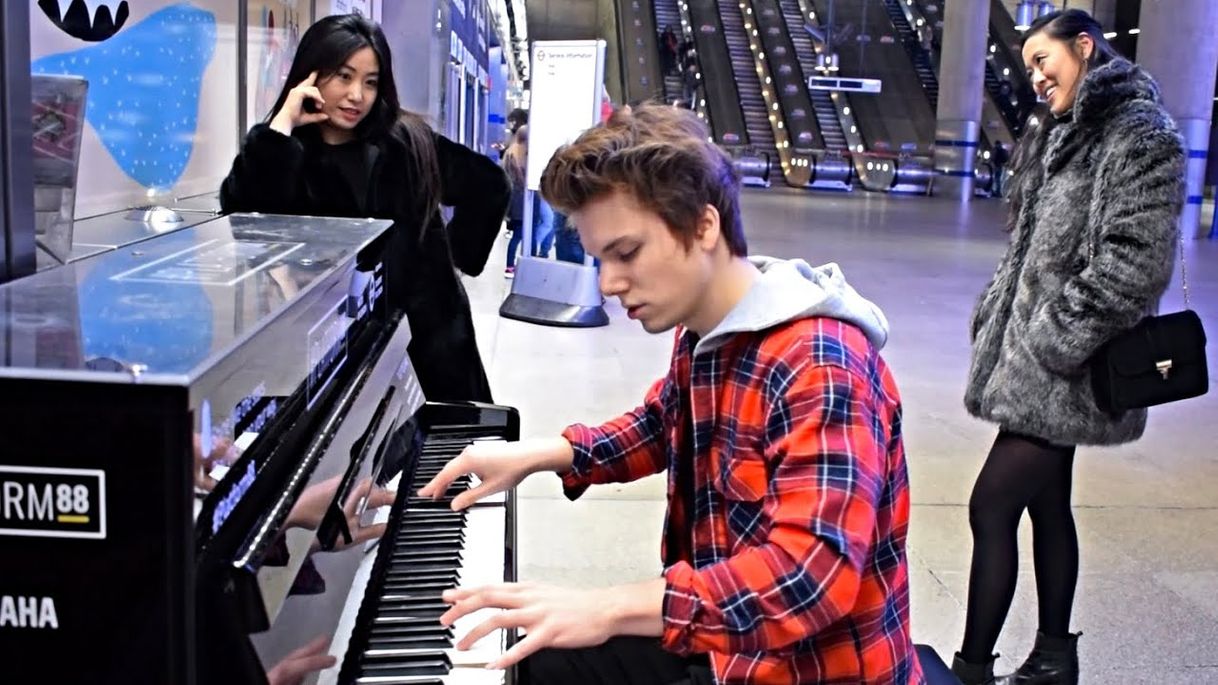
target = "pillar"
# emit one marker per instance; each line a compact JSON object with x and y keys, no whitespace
{"x":1180,"y":49}
{"x":962,"y":78}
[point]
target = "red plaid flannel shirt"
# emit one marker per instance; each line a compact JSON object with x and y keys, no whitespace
{"x":795,"y":567}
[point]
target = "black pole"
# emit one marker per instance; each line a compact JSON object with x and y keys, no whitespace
{"x":16,"y":145}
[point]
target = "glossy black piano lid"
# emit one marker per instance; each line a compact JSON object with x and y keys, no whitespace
{"x":170,"y":306}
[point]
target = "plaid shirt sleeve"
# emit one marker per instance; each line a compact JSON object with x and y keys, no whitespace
{"x":624,"y":449}
{"x":826,"y":466}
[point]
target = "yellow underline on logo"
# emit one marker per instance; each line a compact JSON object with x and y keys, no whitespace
{"x":69,"y":518}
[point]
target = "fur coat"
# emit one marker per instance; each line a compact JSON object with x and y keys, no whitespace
{"x":278,"y":174}
{"x":1091,"y":253}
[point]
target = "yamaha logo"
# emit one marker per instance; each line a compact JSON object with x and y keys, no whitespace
{"x":28,"y":612}
{"x":541,"y":55}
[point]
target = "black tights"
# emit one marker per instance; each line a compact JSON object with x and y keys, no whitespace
{"x":1020,"y":473}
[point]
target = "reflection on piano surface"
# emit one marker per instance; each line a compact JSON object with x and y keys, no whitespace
{"x":228,"y":409}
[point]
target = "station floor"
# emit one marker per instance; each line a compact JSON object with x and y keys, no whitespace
{"x":1147,"y":513}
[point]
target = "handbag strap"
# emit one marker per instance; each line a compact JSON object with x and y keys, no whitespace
{"x":1183,"y":266}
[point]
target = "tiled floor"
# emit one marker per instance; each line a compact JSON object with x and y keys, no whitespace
{"x":1147,"y":513}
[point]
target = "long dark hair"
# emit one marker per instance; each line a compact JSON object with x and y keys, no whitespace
{"x":325,"y":48}
{"x":1065,"y":26}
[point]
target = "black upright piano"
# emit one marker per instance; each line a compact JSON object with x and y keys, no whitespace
{"x":198,"y":433}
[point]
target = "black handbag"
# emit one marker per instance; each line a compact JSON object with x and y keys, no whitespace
{"x":1160,"y":360}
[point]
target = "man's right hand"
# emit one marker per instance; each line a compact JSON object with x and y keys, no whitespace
{"x":293,"y":114}
{"x":500,"y":466}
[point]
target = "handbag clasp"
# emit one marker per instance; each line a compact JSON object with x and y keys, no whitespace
{"x":1164,"y":368}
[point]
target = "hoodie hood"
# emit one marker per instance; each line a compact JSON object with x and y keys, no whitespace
{"x":791,"y":289}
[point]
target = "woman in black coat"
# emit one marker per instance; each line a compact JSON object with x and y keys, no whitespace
{"x":337,"y":144}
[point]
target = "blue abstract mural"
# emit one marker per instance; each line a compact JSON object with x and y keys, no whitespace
{"x":144,"y":89}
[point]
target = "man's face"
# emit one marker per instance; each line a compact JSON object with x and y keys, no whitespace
{"x":658,"y":280}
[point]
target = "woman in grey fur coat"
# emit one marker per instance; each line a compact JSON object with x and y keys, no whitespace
{"x":1096,"y":194}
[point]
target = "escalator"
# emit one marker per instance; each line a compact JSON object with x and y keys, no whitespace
{"x":1006,"y":81}
{"x":921,"y":59}
{"x":826,"y":114}
{"x":748,"y":85}
{"x":993,"y":128}
{"x":637,"y":45}
{"x":1005,"y":63}
{"x":897,"y":121}
{"x":722,"y":99}
{"x":667,"y":14}
{"x":800,"y":145}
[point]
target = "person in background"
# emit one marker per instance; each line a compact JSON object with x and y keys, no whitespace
{"x":689,"y":83}
{"x":998,"y":162}
{"x":669,"y":46}
{"x":1095,"y":200}
{"x":337,"y":144}
{"x":778,"y":424}
{"x":515,"y":162}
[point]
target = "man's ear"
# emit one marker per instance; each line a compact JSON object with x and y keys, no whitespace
{"x":709,"y":229}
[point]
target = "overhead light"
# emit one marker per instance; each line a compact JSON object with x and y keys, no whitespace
{"x":1110,"y":35}
{"x":1134,"y":32}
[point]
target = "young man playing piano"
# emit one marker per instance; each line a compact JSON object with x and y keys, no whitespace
{"x":779,"y":426}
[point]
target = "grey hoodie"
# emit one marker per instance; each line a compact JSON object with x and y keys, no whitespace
{"x":790,"y":289}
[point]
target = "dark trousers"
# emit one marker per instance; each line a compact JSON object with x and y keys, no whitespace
{"x":620,"y":661}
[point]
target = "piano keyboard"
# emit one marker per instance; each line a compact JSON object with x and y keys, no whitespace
{"x":390,"y":632}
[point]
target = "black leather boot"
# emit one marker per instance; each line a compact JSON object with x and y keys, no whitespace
{"x":977,"y":674}
{"x":1053,"y":661}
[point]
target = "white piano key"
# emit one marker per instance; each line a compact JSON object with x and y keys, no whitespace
{"x":499,"y":498}
{"x":482,"y":564}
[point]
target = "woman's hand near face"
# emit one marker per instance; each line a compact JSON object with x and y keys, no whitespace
{"x":293,"y":113}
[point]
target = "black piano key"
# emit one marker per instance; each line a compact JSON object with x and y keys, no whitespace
{"x":402,"y":622}
{"x":421,"y":568}
{"x":425,"y":535}
{"x":423,"y":574}
{"x":418,"y":547}
{"x":411,"y":642}
{"x":412,"y":609}
{"x":436,"y":574}
{"x":428,"y":628}
{"x":404,"y":600}
{"x":407,"y":680}
{"x":407,"y":584}
{"x":430,"y":527}
{"x":452,"y":558}
{"x":421,"y":663}
{"x":412,"y":589}
{"x":432,"y":517}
